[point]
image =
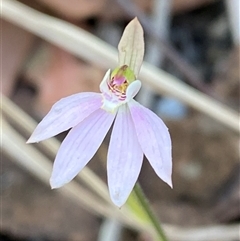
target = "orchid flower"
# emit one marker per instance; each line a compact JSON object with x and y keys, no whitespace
{"x":137,"y":131}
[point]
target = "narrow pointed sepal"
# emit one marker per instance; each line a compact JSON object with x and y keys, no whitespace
{"x":65,"y":114}
{"x":124,"y":159}
{"x":131,"y":47}
{"x":79,"y":147}
{"x":154,"y":139}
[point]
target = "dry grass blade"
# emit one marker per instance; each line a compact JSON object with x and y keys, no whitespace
{"x":26,"y":123}
{"x":90,"y":48}
{"x":28,"y":157}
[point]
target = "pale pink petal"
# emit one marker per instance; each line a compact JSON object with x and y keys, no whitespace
{"x":65,"y":114}
{"x":79,"y":147}
{"x":124,"y":157}
{"x":154,"y":139}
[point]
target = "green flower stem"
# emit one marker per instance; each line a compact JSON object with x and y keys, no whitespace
{"x":153,"y":219}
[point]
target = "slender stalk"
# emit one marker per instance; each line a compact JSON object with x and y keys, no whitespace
{"x":153,"y":219}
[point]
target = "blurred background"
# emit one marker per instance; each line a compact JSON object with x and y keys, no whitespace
{"x":195,"y":41}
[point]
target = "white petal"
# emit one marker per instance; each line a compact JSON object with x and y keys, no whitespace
{"x":124,"y":157}
{"x":103,"y":85}
{"x":154,"y":139}
{"x":133,"y":89}
{"x":66,"y":113}
{"x":79,"y":147}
